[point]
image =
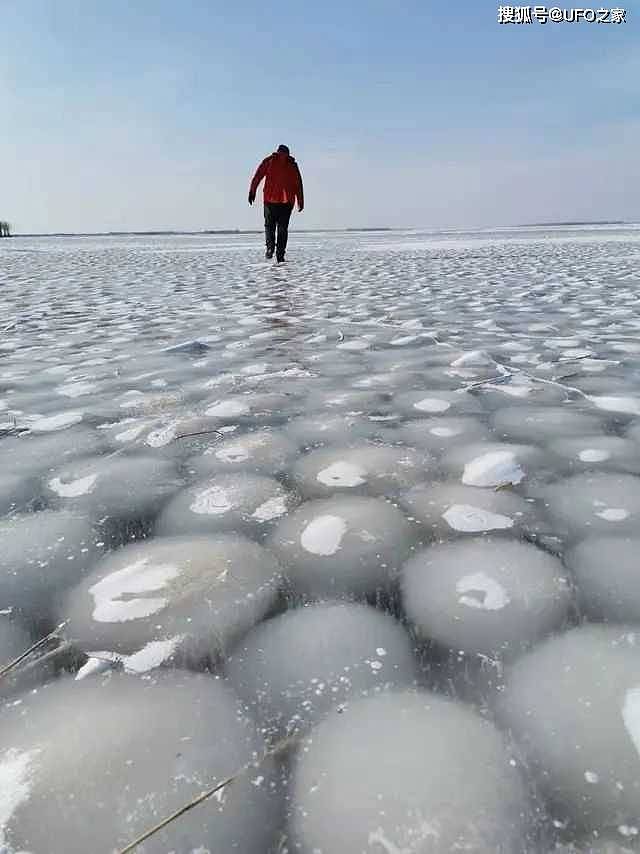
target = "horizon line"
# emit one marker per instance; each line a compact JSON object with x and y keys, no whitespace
{"x":236,"y":231}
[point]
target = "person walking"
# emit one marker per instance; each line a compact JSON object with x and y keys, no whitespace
{"x":282,"y":188}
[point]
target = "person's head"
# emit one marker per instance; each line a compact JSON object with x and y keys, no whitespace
{"x":283,"y":150}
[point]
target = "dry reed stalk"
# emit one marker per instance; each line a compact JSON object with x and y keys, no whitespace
{"x":16,"y":661}
{"x":280,"y":747}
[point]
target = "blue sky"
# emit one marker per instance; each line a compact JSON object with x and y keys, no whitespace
{"x":144,"y":115}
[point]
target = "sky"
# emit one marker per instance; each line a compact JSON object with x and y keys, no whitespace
{"x":150,"y":115}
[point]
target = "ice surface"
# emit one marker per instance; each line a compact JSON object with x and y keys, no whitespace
{"x":362,"y":469}
{"x":450,"y":510}
{"x":607,"y":574}
{"x":68,"y":741}
{"x":494,"y":464}
{"x":202,"y":591}
{"x":485,"y":597}
{"x":418,"y":392}
{"x":342,"y":546}
{"x":259,"y":452}
{"x":574,"y":705}
{"x":537,"y":424}
{"x":438,"y":780}
{"x":292,"y":670}
{"x":123,"y":487}
{"x":594,"y":503}
{"x":241,"y":502}
{"x":41,"y":554}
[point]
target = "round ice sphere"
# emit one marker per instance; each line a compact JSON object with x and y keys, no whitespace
{"x":429,"y":403}
{"x":405,"y":772}
{"x":250,"y":408}
{"x":491,"y":464}
{"x":261,"y":452}
{"x":449,"y":510}
{"x":52,"y":422}
{"x":389,"y":381}
{"x":240,"y":502}
{"x":179,"y":437}
{"x":342,"y":546}
{"x":90,"y":765}
{"x":330,"y":429}
{"x":594,"y":503}
{"x":172,"y":599}
{"x":486,"y":597}
{"x":32,"y":455}
{"x":542,"y":423}
{"x":519,"y":390}
{"x":439,"y":434}
{"x":123,"y":487}
{"x":598,"y":452}
{"x":349,"y":401}
{"x":364,"y":469}
{"x":607,"y":574}
{"x":17,"y":491}
{"x":573,"y":703}
{"x":342,"y":651}
{"x":134,"y":402}
{"x":42,"y":554}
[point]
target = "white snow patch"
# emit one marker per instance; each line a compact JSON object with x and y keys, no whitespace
{"x":76,"y":389}
{"x":228,"y":408}
{"x":323,"y":535}
{"x":593,"y":455}
{"x":139,"y":577}
{"x":355,"y":344}
{"x":510,"y":389}
{"x":614,"y":403}
{"x":130,"y":434}
{"x":257,"y":368}
{"x":492,"y":469}
{"x":96,"y":663}
{"x":272,"y":508}
{"x":474,"y":358}
{"x":613,"y":514}
{"x":432,"y":404}
{"x":467,"y":518}
{"x":15,"y":785}
{"x":591,"y":777}
{"x":162,"y":436}
{"x":152,"y":655}
{"x":73,"y":488}
{"x":236,"y":453}
{"x":444,"y":432}
{"x":378,"y":838}
{"x":494,"y":595}
{"x":403,"y":340}
{"x":631,"y":716}
{"x":342,"y":473}
{"x":213,"y":501}
{"x":55,"y":422}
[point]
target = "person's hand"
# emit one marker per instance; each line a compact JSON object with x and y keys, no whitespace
{"x":252,"y":198}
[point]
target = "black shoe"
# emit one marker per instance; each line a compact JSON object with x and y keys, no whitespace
{"x":280,"y":259}
{"x":268,"y":254}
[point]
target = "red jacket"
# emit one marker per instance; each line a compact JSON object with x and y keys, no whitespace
{"x":283,"y":181}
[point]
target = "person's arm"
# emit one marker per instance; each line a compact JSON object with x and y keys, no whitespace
{"x":261,"y":171}
{"x":300,"y":190}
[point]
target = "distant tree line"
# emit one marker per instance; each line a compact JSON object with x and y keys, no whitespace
{"x":5,"y":229}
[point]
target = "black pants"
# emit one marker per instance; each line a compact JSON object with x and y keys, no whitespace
{"x":277,"y":216}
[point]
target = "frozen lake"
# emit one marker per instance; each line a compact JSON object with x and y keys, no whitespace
{"x":383,"y":500}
